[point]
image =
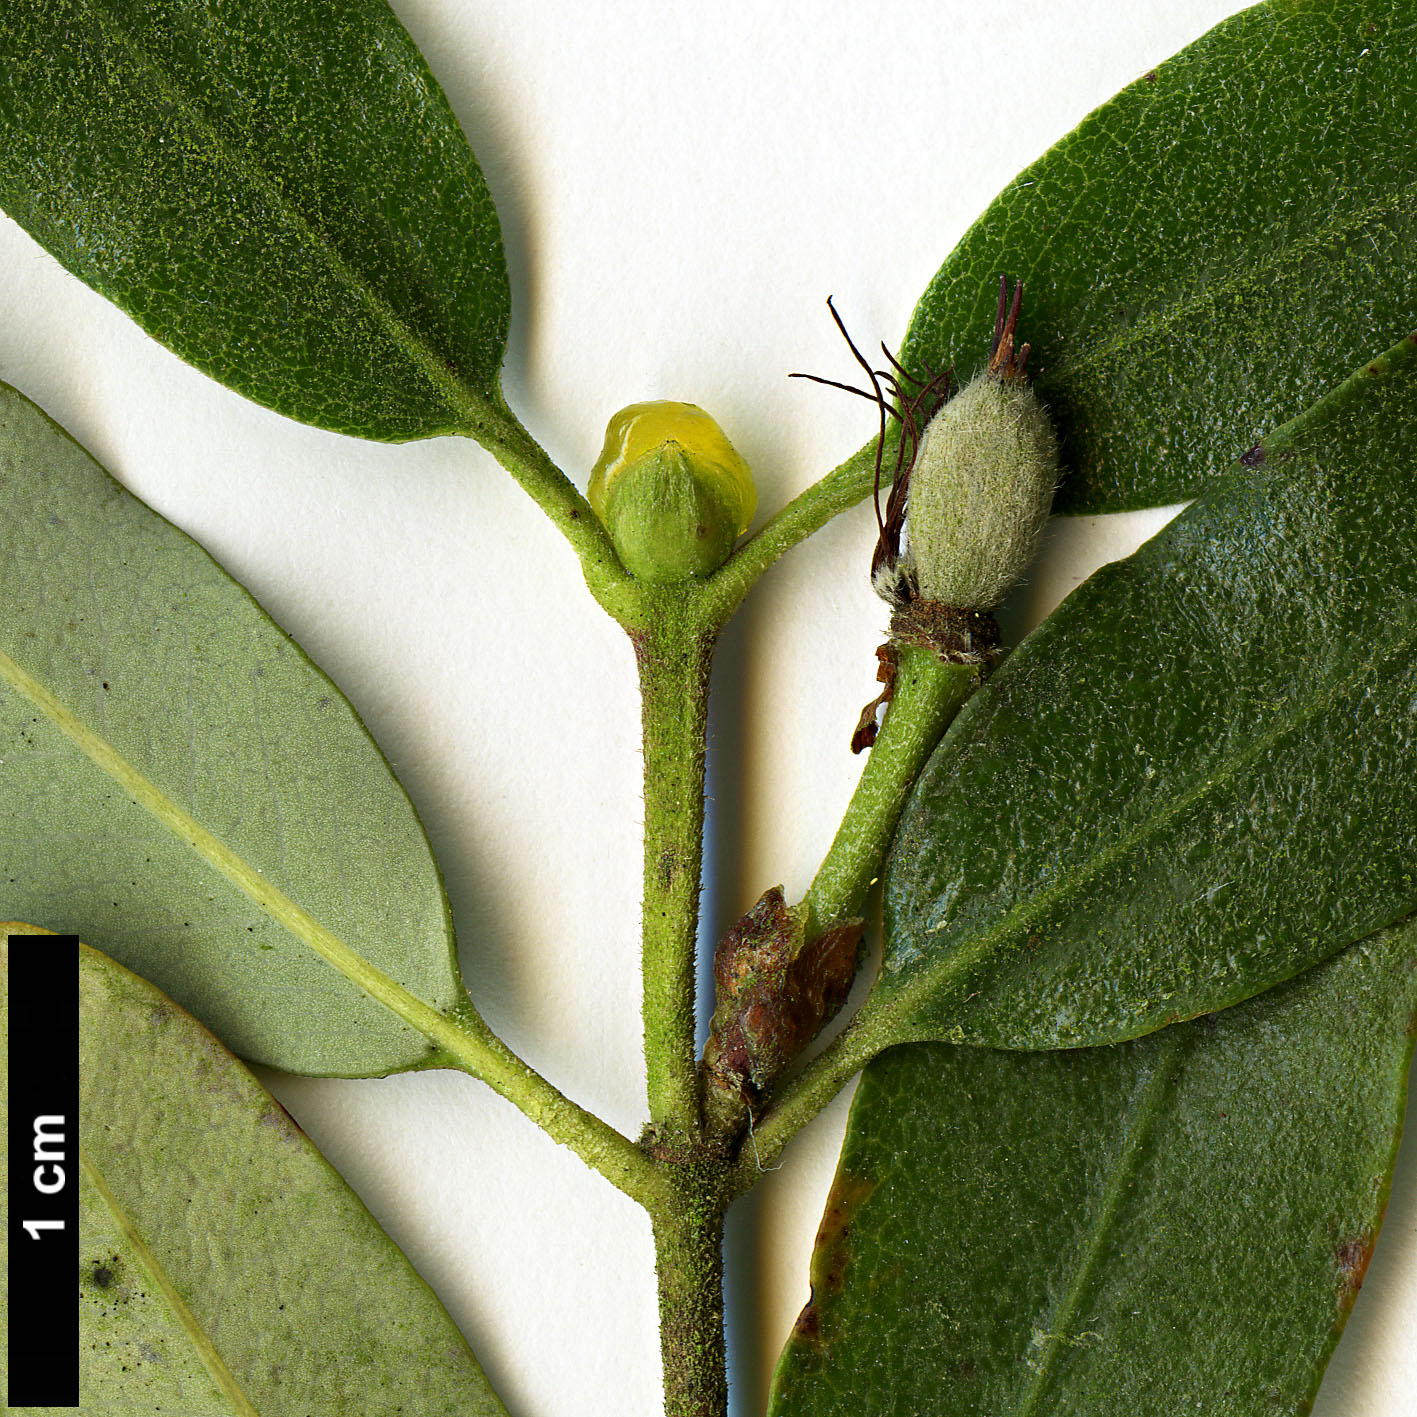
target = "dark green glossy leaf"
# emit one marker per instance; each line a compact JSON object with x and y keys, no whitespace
{"x":275,"y":189}
{"x":1207,"y":253}
{"x":225,"y":1268}
{"x":1174,"y":1225}
{"x":127,"y":656}
{"x":1195,"y":779}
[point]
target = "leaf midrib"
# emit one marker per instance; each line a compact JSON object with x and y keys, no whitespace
{"x":1022,"y":916}
{"x":292,"y":917}
{"x":1161,"y":318}
{"x":199,"y":1338}
{"x":1138,"y":1127}
{"x":464,"y":402}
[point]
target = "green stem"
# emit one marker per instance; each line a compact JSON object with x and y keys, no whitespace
{"x":688,"y":1239}
{"x":673,"y":655}
{"x":673,"y":649}
{"x":497,"y":428}
{"x":463,"y":1040}
{"x":472,"y":1046}
{"x":811,"y":510}
{"x":927,"y":695}
{"x":800,"y":1101}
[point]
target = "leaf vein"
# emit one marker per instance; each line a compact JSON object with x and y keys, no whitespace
{"x":207,"y":1352}
{"x":1158,"y":321}
{"x":242,"y":874}
{"x":1138,"y":1128}
{"x":1023,"y":915}
{"x":464,"y":401}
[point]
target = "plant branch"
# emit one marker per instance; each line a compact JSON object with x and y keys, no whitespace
{"x":811,"y":510}
{"x":927,"y":695}
{"x":688,"y":1246}
{"x":799,"y":1102}
{"x":498,"y":429}
{"x":472,"y":1046}
{"x":463,"y":1039}
{"x":673,"y":656}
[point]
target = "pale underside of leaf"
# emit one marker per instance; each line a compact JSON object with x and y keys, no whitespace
{"x":221,"y":858}
{"x":225,"y":1268}
{"x":133,"y":670}
{"x":97,"y":1194}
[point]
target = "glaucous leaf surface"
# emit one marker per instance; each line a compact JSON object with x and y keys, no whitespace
{"x":275,"y":189}
{"x":1207,"y":253}
{"x":1178,"y":1224}
{"x":225,"y":1268}
{"x":1195,"y":779}
{"x":154,"y":666}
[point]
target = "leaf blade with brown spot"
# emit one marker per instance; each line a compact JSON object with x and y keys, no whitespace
{"x":1207,"y":253}
{"x":1193,"y":780}
{"x":226,"y":1269}
{"x":1175,"y":1224}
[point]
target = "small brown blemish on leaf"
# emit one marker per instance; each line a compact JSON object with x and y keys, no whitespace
{"x":1253,"y":457}
{"x":809,"y":1323}
{"x":104,"y":1274}
{"x":1353,"y":1258}
{"x":1151,"y":76}
{"x":832,"y":1256}
{"x":277,"y":1118}
{"x":1374,"y":370}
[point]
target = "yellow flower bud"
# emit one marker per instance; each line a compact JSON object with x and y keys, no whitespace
{"x":671,"y":490}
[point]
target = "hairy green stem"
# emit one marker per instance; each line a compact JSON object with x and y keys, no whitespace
{"x":837,"y":492}
{"x":463,"y":1040}
{"x":673,"y":650}
{"x":800,"y":1101}
{"x":927,"y":695}
{"x":688,"y":1240}
{"x":497,"y":428}
{"x":476,"y":1050}
{"x":673,"y":656}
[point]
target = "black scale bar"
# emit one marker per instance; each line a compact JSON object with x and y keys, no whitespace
{"x":44,"y":1170}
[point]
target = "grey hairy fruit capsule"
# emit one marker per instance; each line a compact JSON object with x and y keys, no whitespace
{"x":969,"y":499}
{"x":981,"y":482}
{"x":974,"y":474}
{"x":980,"y":493}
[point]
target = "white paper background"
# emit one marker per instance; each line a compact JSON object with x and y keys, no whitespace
{"x":680,"y":188}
